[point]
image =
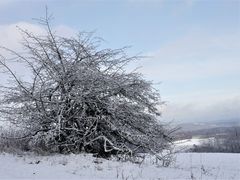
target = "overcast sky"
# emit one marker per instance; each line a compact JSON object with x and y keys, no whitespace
{"x":193,"y":46}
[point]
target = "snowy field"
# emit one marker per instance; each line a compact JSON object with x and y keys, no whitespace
{"x":187,"y":166}
{"x":186,"y":144}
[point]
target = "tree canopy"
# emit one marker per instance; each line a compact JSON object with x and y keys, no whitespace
{"x":81,"y":98}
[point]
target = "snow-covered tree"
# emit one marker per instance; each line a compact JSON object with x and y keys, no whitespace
{"x":81,"y":98}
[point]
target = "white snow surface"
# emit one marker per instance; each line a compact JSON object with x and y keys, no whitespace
{"x":84,"y":166}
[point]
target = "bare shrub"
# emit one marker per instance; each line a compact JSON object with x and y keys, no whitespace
{"x":13,"y":144}
{"x":81,"y":98}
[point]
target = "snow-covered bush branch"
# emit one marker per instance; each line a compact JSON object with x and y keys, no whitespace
{"x":80,"y":97}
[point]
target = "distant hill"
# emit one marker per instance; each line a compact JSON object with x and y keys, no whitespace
{"x":193,"y":126}
{"x":206,"y":129}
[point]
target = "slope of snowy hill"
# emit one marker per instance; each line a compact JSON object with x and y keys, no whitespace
{"x":84,"y":166}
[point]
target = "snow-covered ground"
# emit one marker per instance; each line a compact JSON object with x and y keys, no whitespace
{"x":84,"y":166}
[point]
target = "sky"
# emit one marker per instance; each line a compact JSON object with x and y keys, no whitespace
{"x":192,"y":48}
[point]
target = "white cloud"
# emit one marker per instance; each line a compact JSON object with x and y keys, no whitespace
{"x":11,"y":38}
{"x":10,"y":35}
{"x":223,"y":109}
{"x":192,"y":58}
{"x":195,"y":56}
